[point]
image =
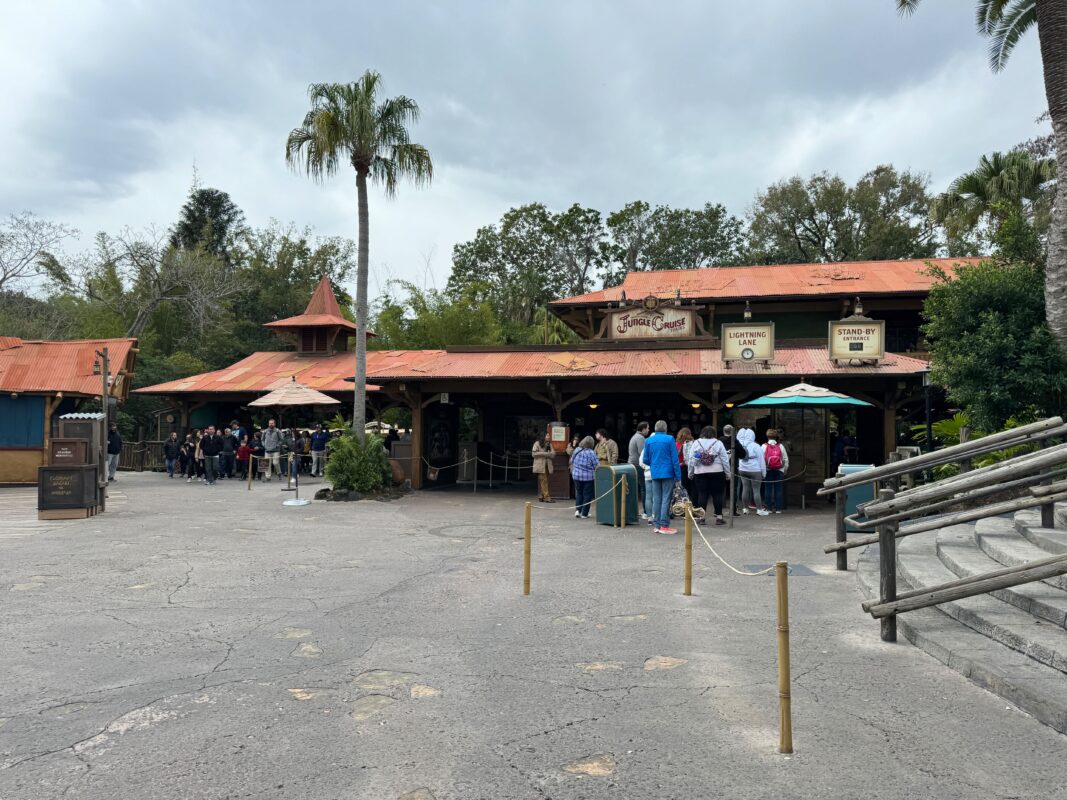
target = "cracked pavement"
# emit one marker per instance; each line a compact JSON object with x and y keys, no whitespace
{"x":207,"y":642}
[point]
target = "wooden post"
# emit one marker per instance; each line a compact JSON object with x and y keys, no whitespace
{"x":965,"y":436}
{"x":251,"y":462}
{"x":622,"y":503}
{"x":894,"y":482}
{"x":887,"y":570}
{"x":688,"y":548}
{"x":1048,"y":511}
{"x":526,"y":550}
{"x":841,"y":534}
{"x":889,"y":427}
{"x":785,"y":701}
{"x":416,"y":440}
{"x":736,"y":463}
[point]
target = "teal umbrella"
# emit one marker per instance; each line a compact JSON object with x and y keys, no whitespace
{"x":804,"y":394}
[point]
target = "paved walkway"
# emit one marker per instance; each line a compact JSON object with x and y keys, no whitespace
{"x":205,"y":642}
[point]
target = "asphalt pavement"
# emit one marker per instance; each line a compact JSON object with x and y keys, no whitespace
{"x":207,"y":642}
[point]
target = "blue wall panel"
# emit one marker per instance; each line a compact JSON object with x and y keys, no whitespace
{"x":21,"y":421}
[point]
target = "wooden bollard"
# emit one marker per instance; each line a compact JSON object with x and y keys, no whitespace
{"x":688,"y":548}
{"x":887,"y":569}
{"x":622,"y":509}
{"x":785,"y":699}
{"x":251,"y":462}
{"x":526,"y":551}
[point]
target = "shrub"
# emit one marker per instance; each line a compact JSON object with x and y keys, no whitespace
{"x":362,"y":466}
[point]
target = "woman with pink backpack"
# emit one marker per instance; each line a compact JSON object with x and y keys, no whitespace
{"x":777,"y":460}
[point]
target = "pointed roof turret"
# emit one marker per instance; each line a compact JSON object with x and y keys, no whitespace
{"x":322,"y":311}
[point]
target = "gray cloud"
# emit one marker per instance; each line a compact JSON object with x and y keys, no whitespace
{"x":597,"y":102}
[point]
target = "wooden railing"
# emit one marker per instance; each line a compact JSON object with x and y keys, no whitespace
{"x":1029,"y":480}
{"x":139,"y":456}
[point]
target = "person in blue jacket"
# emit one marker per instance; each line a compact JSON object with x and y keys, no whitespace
{"x":661,"y":455}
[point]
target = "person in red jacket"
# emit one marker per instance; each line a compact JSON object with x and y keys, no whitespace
{"x":243,"y":452}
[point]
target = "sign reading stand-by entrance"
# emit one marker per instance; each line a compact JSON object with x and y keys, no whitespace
{"x":857,"y":338}
{"x":748,"y":341}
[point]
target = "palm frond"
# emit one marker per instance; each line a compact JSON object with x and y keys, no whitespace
{"x":907,"y":7}
{"x":1008,"y":28}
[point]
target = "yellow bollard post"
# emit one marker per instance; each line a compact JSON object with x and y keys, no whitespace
{"x":688,"y":548}
{"x":785,"y":703}
{"x":625,"y":491}
{"x":526,"y":551}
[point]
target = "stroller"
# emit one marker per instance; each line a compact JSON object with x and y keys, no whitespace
{"x":678,"y":504}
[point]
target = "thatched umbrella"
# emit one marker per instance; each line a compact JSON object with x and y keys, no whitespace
{"x":291,"y":395}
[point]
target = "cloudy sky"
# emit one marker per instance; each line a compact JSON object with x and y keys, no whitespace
{"x":108,"y":105}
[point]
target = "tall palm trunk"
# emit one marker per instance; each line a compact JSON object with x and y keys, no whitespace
{"x":359,"y":410}
{"x":1052,"y":32}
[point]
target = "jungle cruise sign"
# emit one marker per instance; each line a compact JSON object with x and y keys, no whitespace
{"x":652,"y":319}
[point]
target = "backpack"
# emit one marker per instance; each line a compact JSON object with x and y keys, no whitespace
{"x":774,"y":456}
{"x":707,"y":458}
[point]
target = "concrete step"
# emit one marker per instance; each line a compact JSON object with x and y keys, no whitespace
{"x":957,"y":550}
{"x":999,"y":540}
{"x":1035,"y":688}
{"x":1052,"y":540}
{"x":918,"y":567}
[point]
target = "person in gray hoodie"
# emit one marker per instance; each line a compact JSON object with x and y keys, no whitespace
{"x":752,"y":469}
{"x":272,"y":449}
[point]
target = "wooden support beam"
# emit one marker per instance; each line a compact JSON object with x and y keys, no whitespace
{"x":416,"y":470}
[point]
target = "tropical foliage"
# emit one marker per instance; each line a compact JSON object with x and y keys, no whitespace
{"x":990,"y":345}
{"x":1004,"y":23}
{"x":356,"y":463}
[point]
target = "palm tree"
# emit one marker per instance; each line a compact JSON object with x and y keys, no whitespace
{"x":1004,"y":22}
{"x":348,"y":123}
{"x":1002,"y":182}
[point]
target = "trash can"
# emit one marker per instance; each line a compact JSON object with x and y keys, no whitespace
{"x":614,"y":503}
{"x":854,"y":495}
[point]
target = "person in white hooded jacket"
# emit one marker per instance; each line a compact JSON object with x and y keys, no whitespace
{"x":752,"y":469}
{"x":709,"y":467}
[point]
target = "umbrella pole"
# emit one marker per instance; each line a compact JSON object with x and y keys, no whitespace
{"x":297,"y":500}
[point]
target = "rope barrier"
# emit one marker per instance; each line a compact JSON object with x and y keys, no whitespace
{"x":730,"y":566}
{"x":568,"y":508}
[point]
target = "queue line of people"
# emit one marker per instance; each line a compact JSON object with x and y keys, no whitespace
{"x":234,"y":451}
{"x":674,"y":467}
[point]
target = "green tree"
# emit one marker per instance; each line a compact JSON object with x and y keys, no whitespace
{"x":643,"y":238}
{"x":691,"y":238}
{"x":990,"y":345}
{"x":209,"y":220}
{"x":514,"y":266}
{"x":350,"y":123}
{"x":884,"y":216}
{"x":428,"y":318}
{"x":1005,"y":22}
{"x":1003,"y":185}
{"x":581,"y":247}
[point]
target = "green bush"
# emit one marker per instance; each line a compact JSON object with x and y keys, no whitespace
{"x":363,"y":467}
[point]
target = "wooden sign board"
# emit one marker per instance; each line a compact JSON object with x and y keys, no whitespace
{"x":66,"y":487}
{"x":560,"y":436}
{"x":748,"y":341}
{"x":661,"y":322}
{"x":863,"y":339}
{"x":68,"y":451}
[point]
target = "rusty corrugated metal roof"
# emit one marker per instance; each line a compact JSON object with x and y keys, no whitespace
{"x":47,"y":367}
{"x":782,"y":280}
{"x":322,"y":311}
{"x":264,"y":372}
